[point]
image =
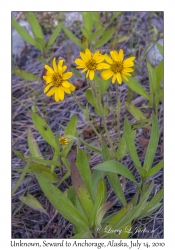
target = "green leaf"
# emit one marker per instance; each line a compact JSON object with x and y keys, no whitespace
{"x":160,"y":48}
{"x":136,"y":87}
{"x":137,"y":113}
{"x":70,"y":130}
{"x":149,"y":205}
{"x":45,"y":131}
{"x":20,"y":155}
{"x":33,"y":146}
{"x":55,"y":35}
{"x":94,"y":148}
{"x":122,"y":149}
{"x":32,"y":202}
{"x":44,"y":171}
{"x":42,"y":42}
{"x":88,"y":22}
{"x":104,"y":39}
{"x":96,"y":34}
{"x":73,"y":37}
{"x":45,"y":162}
{"x":155,"y":169}
{"x":129,"y":138}
{"x":25,"y":75}
{"x":24,"y":172}
{"x":113,"y":178}
{"x":153,"y":143}
{"x":115,"y":167}
{"x":104,"y":85}
{"x":151,"y":211}
{"x":25,"y":35}
{"x":42,"y":60}
{"x":159,"y":69}
{"x":61,"y":203}
{"x":81,"y":191}
{"x":36,"y":28}
{"x":152,"y":79}
{"x":90,"y":97}
{"x":96,"y":176}
{"x":84,"y":170}
{"x":96,"y":19}
{"x":134,"y":213}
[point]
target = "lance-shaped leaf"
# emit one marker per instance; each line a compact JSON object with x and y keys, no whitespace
{"x":44,"y":171}
{"x":116,"y":167}
{"x":55,"y":34}
{"x":134,"y":213}
{"x":153,"y":143}
{"x":73,"y":37}
{"x":25,"y":35}
{"x":152,"y":79}
{"x":159,"y":74}
{"x":88,"y":22}
{"x":33,"y":146}
{"x":84,"y":170}
{"x":81,"y":190}
{"x":70,"y":130}
{"x":113,"y":178}
{"x":32,"y":202}
{"x":152,"y":203}
{"x":129,"y":138}
{"x":36,"y":28}
{"x":61,"y":203}
{"x":45,"y":131}
{"x":155,"y":169}
{"x":107,"y":35}
{"x":102,"y":211}
{"x":136,"y":87}
{"x":25,"y":75}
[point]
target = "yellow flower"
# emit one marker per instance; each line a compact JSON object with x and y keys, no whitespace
{"x":117,"y":68}
{"x":56,"y":81}
{"x":64,"y":141}
{"x":90,"y":62}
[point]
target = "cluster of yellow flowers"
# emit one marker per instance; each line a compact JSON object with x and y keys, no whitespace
{"x":116,"y":67}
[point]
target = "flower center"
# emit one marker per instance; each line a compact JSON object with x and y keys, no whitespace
{"x":57,"y":79}
{"x":117,"y":67}
{"x":91,"y":65}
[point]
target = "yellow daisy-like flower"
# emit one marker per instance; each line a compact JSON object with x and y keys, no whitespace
{"x":56,"y":81}
{"x":64,"y":141}
{"x":117,"y":68}
{"x":90,"y":62}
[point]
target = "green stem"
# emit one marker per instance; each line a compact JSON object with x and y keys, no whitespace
{"x":77,"y":102}
{"x":118,"y":112}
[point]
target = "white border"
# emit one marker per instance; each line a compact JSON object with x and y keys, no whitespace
{"x":5,"y":98}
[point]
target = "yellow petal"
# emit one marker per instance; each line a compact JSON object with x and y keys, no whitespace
{"x":57,"y":96}
{"x":125,"y":77}
{"x":61,"y":93}
{"x":121,"y":55}
{"x":115,"y":56}
{"x":67,"y":75}
{"x":84,"y":70}
{"x":80,"y":62}
{"x":66,"y":90}
{"x":119,"y":78}
{"x":128,"y":62}
{"x":66,"y":84}
{"x":106,"y":74}
{"x":87,"y":74}
{"x":88,"y":54}
{"x":128,"y":70}
{"x":60,"y":65}
{"x":125,"y":73}
{"x":95,"y":55}
{"x":48,"y":87}
{"x":51,"y":71}
{"x":84,"y":57}
{"x":91,"y":74}
{"x":103,"y":66}
{"x":51,"y":91}
{"x":114,"y":78}
{"x":47,"y":79}
{"x":54,"y":64}
{"x":100,"y":59}
{"x":108,"y":59}
{"x":64,"y":68}
{"x":72,"y":87}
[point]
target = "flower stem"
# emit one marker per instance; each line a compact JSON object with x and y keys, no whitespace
{"x":118,"y":111}
{"x":79,"y":105}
